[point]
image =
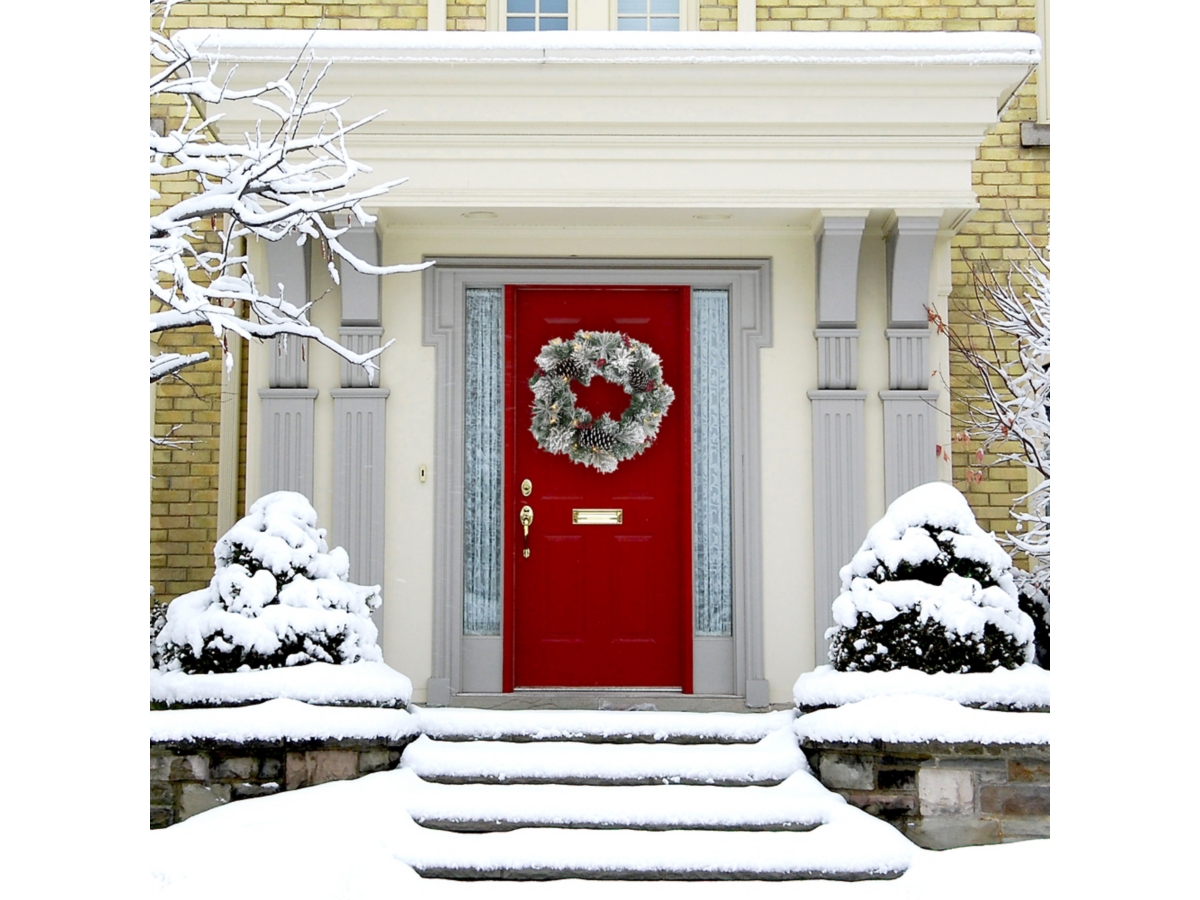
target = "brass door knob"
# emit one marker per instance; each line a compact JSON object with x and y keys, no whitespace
{"x":526,"y":521}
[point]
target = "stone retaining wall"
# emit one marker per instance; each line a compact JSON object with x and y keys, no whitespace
{"x":190,"y":777}
{"x":943,"y":795}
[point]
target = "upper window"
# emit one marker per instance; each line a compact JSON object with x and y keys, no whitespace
{"x":647,"y":15}
{"x":537,"y":15}
{"x":595,"y":15}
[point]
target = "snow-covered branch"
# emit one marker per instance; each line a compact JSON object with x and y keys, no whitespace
{"x":283,"y":182}
{"x":1010,"y":413}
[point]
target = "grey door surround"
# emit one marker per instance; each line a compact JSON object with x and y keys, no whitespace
{"x":454,"y":669}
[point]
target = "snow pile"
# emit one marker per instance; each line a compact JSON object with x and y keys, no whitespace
{"x":279,"y":597}
{"x":1026,"y":687}
{"x":280,"y":720}
{"x":929,"y":590}
{"x":911,"y":718}
{"x":377,"y":855}
{"x":360,"y":683}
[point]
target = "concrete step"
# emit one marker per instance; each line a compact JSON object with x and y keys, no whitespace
{"x":494,"y":807}
{"x":767,"y":762}
{"x":599,"y":726}
{"x":847,"y":845}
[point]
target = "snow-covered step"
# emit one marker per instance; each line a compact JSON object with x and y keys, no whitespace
{"x":846,"y":844}
{"x":608,"y":726}
{"x":769,"y":761}
{"x":495,"y":807}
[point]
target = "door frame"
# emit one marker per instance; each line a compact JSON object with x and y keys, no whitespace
{"x":470,"y":664}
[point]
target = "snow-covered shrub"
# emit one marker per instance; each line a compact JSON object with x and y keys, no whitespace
{"x":158,"y":621}
{"x":929,"y":590}
{"x":1035,"y":602}
{"x":279,"y":597}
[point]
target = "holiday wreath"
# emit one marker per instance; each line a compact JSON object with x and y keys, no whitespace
{"x":561,"y":427}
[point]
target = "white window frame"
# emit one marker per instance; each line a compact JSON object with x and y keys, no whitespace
{"x":497,"y":19}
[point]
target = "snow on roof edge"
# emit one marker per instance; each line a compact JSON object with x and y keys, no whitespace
{"x":924,"y":48}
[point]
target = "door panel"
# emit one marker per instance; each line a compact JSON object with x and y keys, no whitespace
{"x":598,"y":605}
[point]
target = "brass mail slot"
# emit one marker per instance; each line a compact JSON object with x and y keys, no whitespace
{"x":596,"y":516}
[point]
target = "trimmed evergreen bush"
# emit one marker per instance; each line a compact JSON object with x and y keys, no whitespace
{"x":929,"y":590}
{"x":279,"y":597}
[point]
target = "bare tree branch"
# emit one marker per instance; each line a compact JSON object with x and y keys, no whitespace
{"x":279,"y":186}
{"x":1009,"y":414}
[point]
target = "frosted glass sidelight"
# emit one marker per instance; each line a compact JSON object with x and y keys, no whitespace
{"x":484,"y":460}
{"x":711,"y":520}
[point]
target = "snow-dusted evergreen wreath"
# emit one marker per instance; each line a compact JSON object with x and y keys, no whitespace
{"x":561,"y":427}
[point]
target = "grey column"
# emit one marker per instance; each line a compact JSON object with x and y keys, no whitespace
{"x":839,"y":442}
{"x":287,"y":440}
{"x":287,"y":404}
{"x":359,"y":419}
{"x":358,"y":471}
{"x":909,"y":425}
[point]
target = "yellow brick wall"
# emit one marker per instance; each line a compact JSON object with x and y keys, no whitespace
{"x":303,"y":14}
{"x":183,"y":489}
{"x":466,"y":16}
{"x":718,"y":15}
{"x":896,"y":15}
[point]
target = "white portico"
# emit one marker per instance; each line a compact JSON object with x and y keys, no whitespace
{"x":816,"y":180}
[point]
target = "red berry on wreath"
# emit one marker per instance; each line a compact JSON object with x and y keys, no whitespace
{"x":601,"y":362}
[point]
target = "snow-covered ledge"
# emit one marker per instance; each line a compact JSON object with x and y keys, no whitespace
{"x":730,"y":119}
{"x":1024,"y":688}
{"x":357,"y":684}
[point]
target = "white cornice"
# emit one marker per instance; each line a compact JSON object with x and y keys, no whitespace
{"x":706,"y":47}
{"x":651,"y":120}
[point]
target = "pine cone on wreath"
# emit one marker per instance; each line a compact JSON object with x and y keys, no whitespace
{"x":602,"y":442}
{"x":569,"y":367}
{"x":638,"y":379}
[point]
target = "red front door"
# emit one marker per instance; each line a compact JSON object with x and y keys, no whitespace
{"x":598,"y":605}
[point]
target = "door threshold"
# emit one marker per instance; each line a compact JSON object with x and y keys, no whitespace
{"x":625,"y":698}
{"x":598,"y":690}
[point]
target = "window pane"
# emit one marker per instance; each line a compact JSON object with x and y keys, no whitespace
{"x":517,"y":23}
{"x":521,"y":6}
{"x":638,"y":24}
{"x":631,"y":7}
{"x":664,"y":7}
{"x":554,"y":7}
{"x":664,"y":24}
{"x":553,"y":24}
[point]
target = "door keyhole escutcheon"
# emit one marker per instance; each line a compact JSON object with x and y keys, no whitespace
{"x":526,"y":521}
{"x":526,"y":488}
